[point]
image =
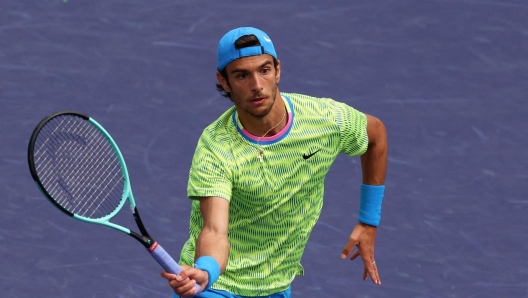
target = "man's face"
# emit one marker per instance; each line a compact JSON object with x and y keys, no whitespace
{"x":252,"y":83}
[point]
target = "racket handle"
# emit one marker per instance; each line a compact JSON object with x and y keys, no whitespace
{"x":166,"y":261}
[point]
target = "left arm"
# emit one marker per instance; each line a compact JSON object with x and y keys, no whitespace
{"x":374,"y":160}
{"x":374,"y":168}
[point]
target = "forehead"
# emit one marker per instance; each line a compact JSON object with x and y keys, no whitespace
{"x":248,"y":63}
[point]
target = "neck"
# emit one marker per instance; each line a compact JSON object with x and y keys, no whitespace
{"x":270,"y":124}
{"x":277,"y":127}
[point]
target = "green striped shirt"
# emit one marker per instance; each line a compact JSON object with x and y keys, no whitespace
{"x":274,"y":204}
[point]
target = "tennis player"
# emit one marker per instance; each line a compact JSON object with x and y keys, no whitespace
{"x":257,"y":179}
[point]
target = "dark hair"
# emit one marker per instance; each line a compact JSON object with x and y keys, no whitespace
{"x":242,"y":42}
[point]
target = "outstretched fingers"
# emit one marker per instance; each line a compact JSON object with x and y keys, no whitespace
{"x":371,"y":269}
{"x":361,"y":243}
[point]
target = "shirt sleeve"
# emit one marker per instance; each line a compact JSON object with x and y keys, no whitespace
{"x":352,"y":128}
{"x":209,"y":175}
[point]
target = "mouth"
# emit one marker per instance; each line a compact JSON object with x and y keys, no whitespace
{"x":258,"y":100}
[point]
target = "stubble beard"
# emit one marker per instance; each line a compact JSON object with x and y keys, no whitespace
{"x":254,"y":113}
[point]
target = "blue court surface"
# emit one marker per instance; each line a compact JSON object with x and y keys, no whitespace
{"x":448,"y":78}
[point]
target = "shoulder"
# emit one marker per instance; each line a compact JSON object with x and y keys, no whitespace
{"x":310,"y":108}
{"x":315,"y":110}
{"x":219,"y":131}
{"x":307,"y":103}
{"x":303,"y":98}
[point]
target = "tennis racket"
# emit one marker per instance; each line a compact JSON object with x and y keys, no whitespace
{"x":78,"y":167}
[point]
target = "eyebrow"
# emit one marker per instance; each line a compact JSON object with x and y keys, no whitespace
{"x":245,"y":70}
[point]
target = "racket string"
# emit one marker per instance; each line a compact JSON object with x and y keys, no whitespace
{"x":60,"y":165}
{"x":97,"y":172}
{"x":79,"y":167}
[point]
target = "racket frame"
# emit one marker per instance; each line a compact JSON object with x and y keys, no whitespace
{"x":127,"y":195}
{"x":156,"y":251}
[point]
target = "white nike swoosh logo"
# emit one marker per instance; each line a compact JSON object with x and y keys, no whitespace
{"x":267,"y":39}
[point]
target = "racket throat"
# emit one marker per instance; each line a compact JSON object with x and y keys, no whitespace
{"x":139,"y":223}
{"x":145,"y":240}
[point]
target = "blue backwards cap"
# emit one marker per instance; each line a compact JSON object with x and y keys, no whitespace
{"x":228,"y":53}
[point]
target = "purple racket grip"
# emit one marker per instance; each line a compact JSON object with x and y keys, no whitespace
{"x":166,"y":261}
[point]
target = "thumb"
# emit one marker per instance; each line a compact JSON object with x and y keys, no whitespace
{"x":167,"y":275}
{"x":183,"y":275}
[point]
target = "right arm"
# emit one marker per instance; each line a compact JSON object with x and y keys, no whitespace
{"x":212,"y":241}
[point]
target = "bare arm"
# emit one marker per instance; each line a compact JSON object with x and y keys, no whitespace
{"x":374,"y":161}
{"x":374,"y":168}
{"x":212,"y":240}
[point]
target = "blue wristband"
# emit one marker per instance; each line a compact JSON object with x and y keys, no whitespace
{"x":370,"y":204}
{"x":209,"y":264}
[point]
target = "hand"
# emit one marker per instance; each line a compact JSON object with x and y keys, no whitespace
{"x":363,"y":237}
{"x":184,"y":284}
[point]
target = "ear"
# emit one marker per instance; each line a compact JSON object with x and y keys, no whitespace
{"x":278,"y":72}
{"x":223,"y":82}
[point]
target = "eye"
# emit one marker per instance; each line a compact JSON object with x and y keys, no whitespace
{"x":265,"y":70}
{"x":241,"y":76}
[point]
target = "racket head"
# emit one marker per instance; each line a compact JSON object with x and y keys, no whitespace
{"x":78,"y":167}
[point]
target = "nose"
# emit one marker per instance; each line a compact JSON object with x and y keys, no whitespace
{"x":256,"y":82}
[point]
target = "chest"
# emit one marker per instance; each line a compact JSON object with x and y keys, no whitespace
{"x":296,"y":163}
